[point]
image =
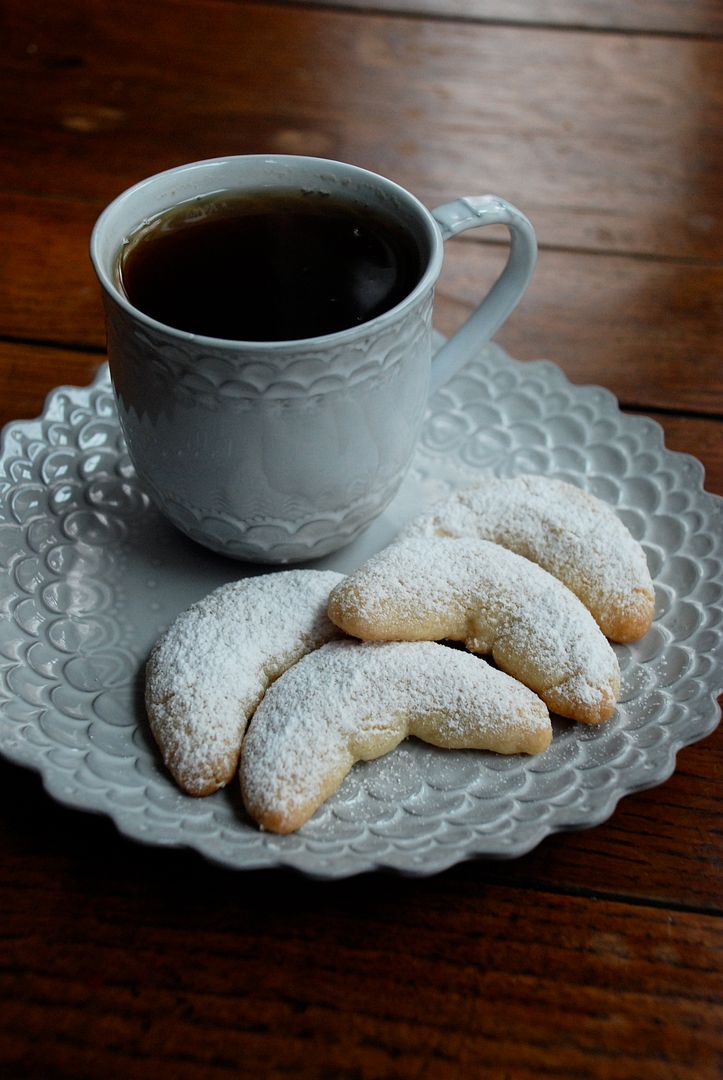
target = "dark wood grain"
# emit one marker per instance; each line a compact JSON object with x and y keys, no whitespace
{"x":598,"y":955}
{"x":649,"y":331}
{"x":550,"y":120}
{"x":29,"y":373}
{"x":253,"y":998}
{"x":198,"y":969}
{"x":47,"y":279}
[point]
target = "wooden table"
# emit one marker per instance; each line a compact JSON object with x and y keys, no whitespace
{"x":598,"y":954}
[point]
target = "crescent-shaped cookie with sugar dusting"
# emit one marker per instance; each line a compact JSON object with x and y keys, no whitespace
{"x":572,"y":534}
{"x":210,"y":669}
{"x":351,"y":701}
{"x":493,"y":600}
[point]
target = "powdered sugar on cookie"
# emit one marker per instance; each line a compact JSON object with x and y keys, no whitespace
{"x":210,"y":669}
{"x":569,"y":532}
{"x":351,"y":701}
{"x":496,"y":602}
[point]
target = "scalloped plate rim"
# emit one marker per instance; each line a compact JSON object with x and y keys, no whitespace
{"x":707,"y":721}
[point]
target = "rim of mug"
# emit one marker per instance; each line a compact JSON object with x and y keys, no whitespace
{"x":427,"y":280}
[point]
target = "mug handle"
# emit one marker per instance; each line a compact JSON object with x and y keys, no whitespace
{"x":505,"y":294}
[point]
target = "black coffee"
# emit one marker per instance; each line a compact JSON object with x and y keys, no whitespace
{"x":272,"y":266}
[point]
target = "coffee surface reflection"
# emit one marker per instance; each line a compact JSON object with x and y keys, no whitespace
{"x":271,"y":266}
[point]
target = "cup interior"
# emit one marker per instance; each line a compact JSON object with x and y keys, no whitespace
{"x":256,"y":173}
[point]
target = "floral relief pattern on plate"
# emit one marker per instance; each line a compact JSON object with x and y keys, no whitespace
{"x":93,"y":574}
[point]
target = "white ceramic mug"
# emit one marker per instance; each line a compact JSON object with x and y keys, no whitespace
{"x":284,"y":451}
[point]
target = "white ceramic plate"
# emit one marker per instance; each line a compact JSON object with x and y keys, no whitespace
{"x":93,"y":575}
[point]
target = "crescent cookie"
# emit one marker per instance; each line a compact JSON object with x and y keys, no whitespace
{"x":570,"y":533}
{"x":495,"y":602}
{"x":208,"y":672}
{"x":351,"y":701}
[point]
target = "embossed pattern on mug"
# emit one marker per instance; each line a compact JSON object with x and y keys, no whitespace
{"x":256,"y":518}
